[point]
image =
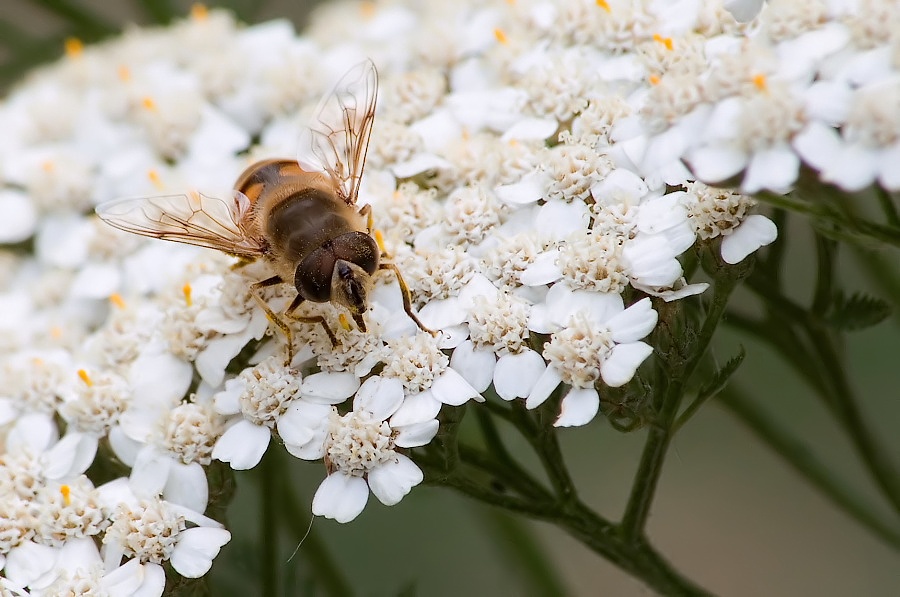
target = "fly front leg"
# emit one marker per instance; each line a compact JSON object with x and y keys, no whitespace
{"x":298,"y":300}
{"x":407,"y":300}
{"x":272,"y":316}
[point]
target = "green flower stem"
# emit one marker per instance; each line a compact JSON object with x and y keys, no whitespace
{"x":268,"y":535}
{"x":601,"y":536}
{"x":799,"y":456}
{"x":514,"y":478}
{"x":541,"y":435}
{"x":848,"y":415}
{"x":825,"y":259}
{"x":495,"y":444}
{"x":446,"y":440}
{"x":888,"y":207}
{"x":322,"y":566}
{"x":856,"y":231}
{"x":662,"y":429}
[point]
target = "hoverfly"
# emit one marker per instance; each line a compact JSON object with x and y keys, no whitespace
{"x":299,"y":215}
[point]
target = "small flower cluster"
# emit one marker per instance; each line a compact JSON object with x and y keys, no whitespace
{"x":537,"y":169}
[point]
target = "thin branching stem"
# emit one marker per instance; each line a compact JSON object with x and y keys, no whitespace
{"x":661,"y":431}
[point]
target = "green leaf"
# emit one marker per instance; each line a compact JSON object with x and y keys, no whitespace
{"x":857,"y":312}
{"x":712,"y":387}
{"x":721,"y":377}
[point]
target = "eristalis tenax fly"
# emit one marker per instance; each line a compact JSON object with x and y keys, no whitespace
{"x":299,"y":215}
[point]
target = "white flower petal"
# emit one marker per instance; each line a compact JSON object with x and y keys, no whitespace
{"x":546,"y":383}
{"x":187,"y":486}
{"x":452,"y":388}
{"x":543,"y":270}
{"x":418,"y":408}
{"x":393,"y":480}
{"x":314,"y":449}
{"x":340,"y":497}
{"x":125,"y":580}
{"x":19,"y":217}
{"x":300,"y":421}
{"x":34,"y":431}
{"x":818,"y":144}
{"x":558,"y":219}
{"x":442,"y":313}
{"x":329,"y":388}
{"x":475,"y":365}
{"x":754,"y":232}
{"x":419,"y":434}
{"x":380,"y":396}
{"x":579,"y":407}
{"x":633,"y":323}
{"x":622,"y":362}
{"x":774,"y":169}
{"x":195,"y":549}
{"x":716,"y":163}
{"x":530,"y":129}
{"x":28,"y":561}
{"x":517,"y":374}
{"x":150,"y":472}
{"x":242,"y":445}
{"x":853,"y":168}
{"x":70,"y":456}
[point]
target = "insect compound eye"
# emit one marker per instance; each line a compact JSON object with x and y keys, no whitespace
{"x":358,"y":248}
{"x":313,"y":276}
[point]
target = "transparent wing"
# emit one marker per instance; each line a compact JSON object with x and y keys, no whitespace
{"x":190,"y":218}
{"x":337,"y":139}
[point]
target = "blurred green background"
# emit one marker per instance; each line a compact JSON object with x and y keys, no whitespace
{"x":729,"y":514}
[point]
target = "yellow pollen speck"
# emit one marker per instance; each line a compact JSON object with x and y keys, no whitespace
{"x":74,"y":47}
{"x":148,"y":103}
{"x":186,"y":289}
{"x":379,"y":240}
{"x":511,"y":2}
{"x":501,"y":36}
{"x":342,"y":319}
{"x":604,"y":5}
{"x":116,"y":299}
{"x":66,"y":492}
{"x":85,"y":377}
{"x":38,"y":362}
{"x":56,"y":332}
{"x":124,"y":73}
{"x":367,"y":9}
{"x":47,"y":166}
{"x":760,"y":82}
{"x":199,"y":12}
{"x":153,"y":175}
{"x":654,"y":80}
{"x":666,"y":41}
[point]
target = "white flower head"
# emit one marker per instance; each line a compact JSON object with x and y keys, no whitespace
{"x":361,"y":452}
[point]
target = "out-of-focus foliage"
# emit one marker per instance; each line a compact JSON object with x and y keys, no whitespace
{"x":35,"y":31}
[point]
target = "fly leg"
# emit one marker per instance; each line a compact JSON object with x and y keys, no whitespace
{"x":407,"y":301}
{"x":298,"y":300}
{"x":272,"y":316}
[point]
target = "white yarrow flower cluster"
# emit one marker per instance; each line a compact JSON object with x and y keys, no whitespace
{"x":537,"y":170}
